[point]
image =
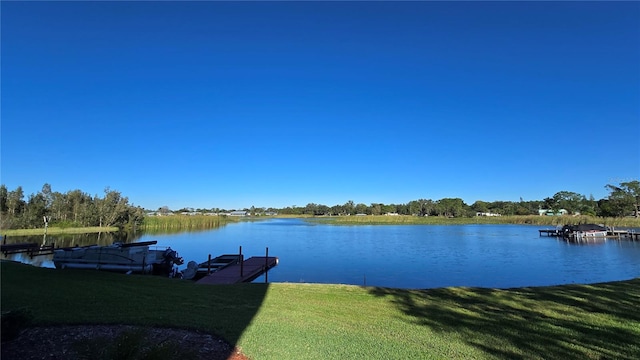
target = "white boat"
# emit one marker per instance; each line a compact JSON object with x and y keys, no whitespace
{"x":591,"y":233}
{"x":584,"y":230}
{"x":134,"y":258}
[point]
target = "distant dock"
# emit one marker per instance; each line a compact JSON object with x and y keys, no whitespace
{"x":611,"y":234}
{"x":550,"y":232}
{"x":245,"y":271}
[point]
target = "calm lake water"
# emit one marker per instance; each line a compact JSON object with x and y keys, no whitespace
{"x":412,"y":256}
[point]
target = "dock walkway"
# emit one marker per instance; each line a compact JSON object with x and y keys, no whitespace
{"x":611,"y":234}
{"x":246,"y":271}
{"x":31,"y":249}
{"x":549,"y":232}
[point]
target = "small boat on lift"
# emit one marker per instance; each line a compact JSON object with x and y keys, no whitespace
{"x":118,"y":257}
{"x":584,"y":231}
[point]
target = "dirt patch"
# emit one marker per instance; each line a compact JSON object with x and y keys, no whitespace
{"x":63,"y":342}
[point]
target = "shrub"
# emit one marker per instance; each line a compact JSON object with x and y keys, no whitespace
{"x":14,"y":321}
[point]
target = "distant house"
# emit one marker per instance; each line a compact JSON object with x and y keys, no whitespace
{"x":487,"y":214}
{"x":548,"y":212}
{"x":239,"y":213}
{"x":190,"y":213}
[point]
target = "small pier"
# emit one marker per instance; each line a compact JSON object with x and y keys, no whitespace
{"x":31,"y":249}
{"x":218,"y":263}
{"x":631,"y":234}
{"x":611,"y":234}
{"x":244,"y":271}
{"x":550,"y":232}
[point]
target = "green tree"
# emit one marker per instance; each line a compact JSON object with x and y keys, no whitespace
{"x":78,"y":206}
{"x":112,"y":209}
{"x":480,"y":206}
{"x":350,"y":207}
{"x":59,"y":206}
{"x":361,"y":209}
{"x":36,"y":210}
{"x":422,"y":207}
{"x":135,"y":216}
{"x":386,"y":209}
{"x":625,"y":198}
{"x":3,"y":198}
{"x":337,"y":210}
{"x":589,"y":206}
{"x":403,"y":209}
{"x":570,"y":201}
{"x":451,"y":207}
{"x":15,"y":201}
{"x":311,"y":209}
{"x":322,"y":210}
{"x":551,"y":204}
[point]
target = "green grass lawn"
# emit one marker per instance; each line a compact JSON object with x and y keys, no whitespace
{"x":305,"y":321}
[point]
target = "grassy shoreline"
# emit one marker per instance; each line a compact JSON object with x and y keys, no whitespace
{"x":314,"y":321}
{"x":57,"y":231}
{"x":169,"y":224}
{"x":176,"y":223}
{"x":151,"y":225}
{"x":439,"y":220}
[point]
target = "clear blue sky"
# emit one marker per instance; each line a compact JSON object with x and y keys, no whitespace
{"x":234,"y":104}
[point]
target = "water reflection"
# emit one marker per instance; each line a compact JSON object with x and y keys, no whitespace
{"x":401,"y":256}
{"x":62,"y":241}
{"x":415,"y":256}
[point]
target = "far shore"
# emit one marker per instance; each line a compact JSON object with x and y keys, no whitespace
{"x":507,"y":219}
{"x":379,"y":220}
{"x":57,"y":231}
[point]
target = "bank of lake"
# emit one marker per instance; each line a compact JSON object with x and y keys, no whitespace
{"x":314,"y":321}
{"x":172,"y":224}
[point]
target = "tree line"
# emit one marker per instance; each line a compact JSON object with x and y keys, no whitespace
{"x":71,"y":209}
{"x":623,"y":200}
{"x":78,"y":209}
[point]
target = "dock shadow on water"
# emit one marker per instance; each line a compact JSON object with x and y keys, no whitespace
{"x":564,"y":322}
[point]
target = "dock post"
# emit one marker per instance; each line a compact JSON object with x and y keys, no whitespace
{"x":241,"y":263}
{"x":4,"y":240}
{"x":209,"y":265}
{"x":266,"y":266}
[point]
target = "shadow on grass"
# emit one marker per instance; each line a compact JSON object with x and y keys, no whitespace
{"x":83,"y":297}
{"x":565,"y":322}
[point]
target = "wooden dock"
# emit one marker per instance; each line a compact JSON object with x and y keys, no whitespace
{"x":611,"y":234}
{"x":633,"y":235}
{"x":245,"y":271}
{"x":31,"y":249}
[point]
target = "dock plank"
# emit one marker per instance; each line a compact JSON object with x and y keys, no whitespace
{"x":32,"y":249}
{"x":250,"y":268}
